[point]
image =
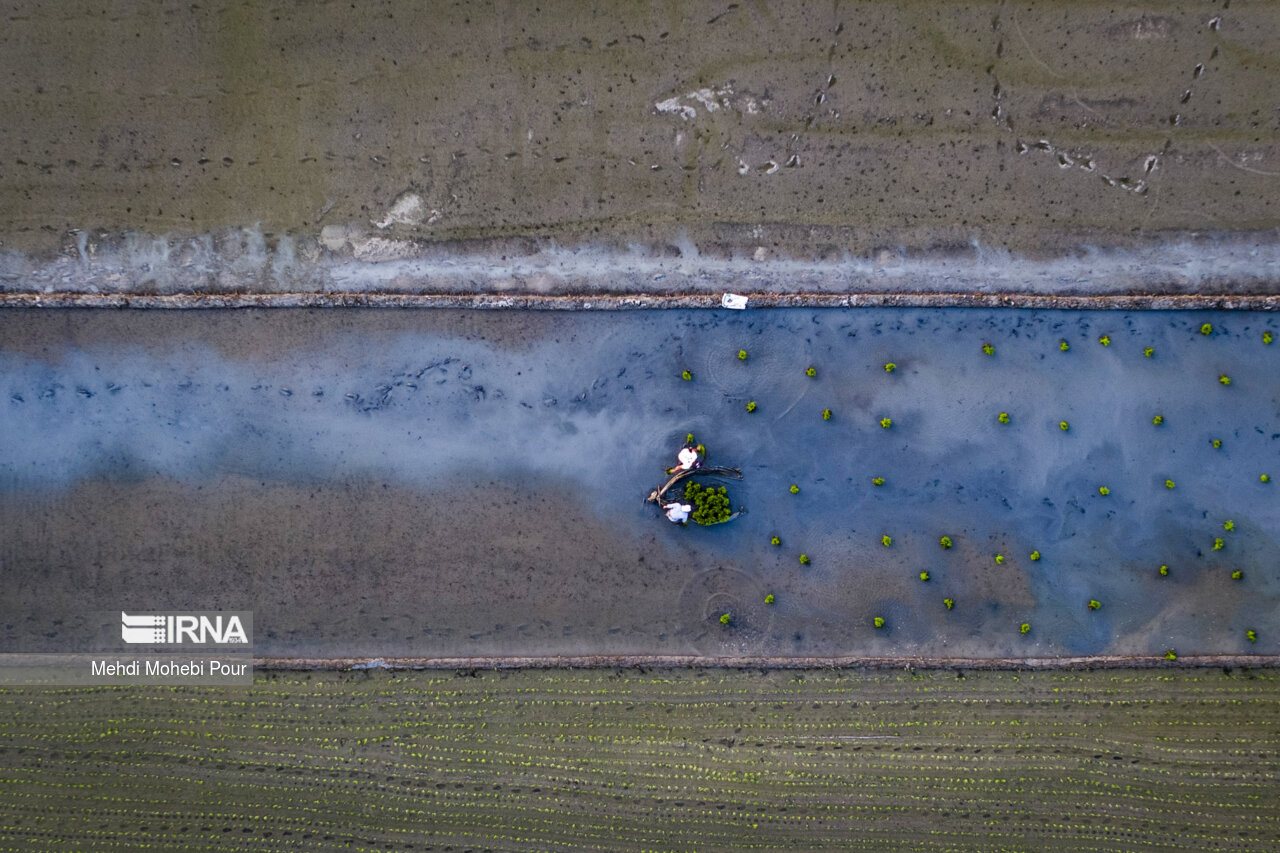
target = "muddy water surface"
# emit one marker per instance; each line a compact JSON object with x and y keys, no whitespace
{"x":450,"y":483}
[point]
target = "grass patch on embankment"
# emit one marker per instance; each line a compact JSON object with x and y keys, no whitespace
{"x":659,"y":759}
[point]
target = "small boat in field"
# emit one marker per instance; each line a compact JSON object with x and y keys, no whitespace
{"x":659,"y":495}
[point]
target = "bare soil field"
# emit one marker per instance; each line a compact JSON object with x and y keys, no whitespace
{"x":571,"y":146}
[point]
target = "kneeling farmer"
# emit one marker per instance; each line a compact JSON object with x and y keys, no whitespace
{"x":678,"y":512}
{"x":690,"y":456}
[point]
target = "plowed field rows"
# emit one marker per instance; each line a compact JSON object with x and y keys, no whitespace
{"x":650,"y":760}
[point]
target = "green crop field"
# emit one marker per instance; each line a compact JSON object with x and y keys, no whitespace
{"x":650,"y":760}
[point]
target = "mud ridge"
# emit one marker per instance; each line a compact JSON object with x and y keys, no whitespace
{"x":766,"y":662}
{"x":619,"y":302}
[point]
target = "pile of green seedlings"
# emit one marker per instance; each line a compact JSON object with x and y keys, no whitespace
{"x":710,"y":503}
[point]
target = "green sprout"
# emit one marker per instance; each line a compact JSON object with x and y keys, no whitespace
{"x":988,"y":349}
{"x":826,"y":414}
{"x":1224,"y":379}
{"x":742,"y":355}
{"x":1064,"y":346}
{"x":1217,"y":442}
{"x":878,"y":621}
{"x":1104,"y":491}
{"x":811,"y":371}
{"x":686,"y":375}
{"x":886,"y":540}
{"x":1035,"y":556}
{"x":945,"y":542}
{"x":877,"y":481}
{"x":1094,"y":604}
{"x":1164,"y":571}
{"x":885,"y":423}
{"x":768,"y":599}
{"x":1237,"y":575}
{"x":774,"y":540}
{"x":795,"y":490}
{"x":999,"y":559}
{"x":1024,"y":628}
{"x":1105,"y":340}
{"x":724,"y":618}
{"x":1157,"y":420}
{"x":1170,"y":654}
{"x":949,"y":603}
{"x":1064,"y":426}
{"x":1003,"y":417}
{"x":1228,"y":525}
{"x":751,"y":406}
{"x":1169,"y":484}
{"x":1148,"y":352}
{"x":1218,"y":544}
{"x":804,"y":559}
{"x":1206,"y":329}
{"x":1252,"y":635}
{"x":889,"y":367}
{"x":924,"y":576}
{"x":1265,"y":478}
{"x":1266,"y":338}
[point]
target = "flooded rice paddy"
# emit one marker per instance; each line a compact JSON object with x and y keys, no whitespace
{"x":472,"y":483}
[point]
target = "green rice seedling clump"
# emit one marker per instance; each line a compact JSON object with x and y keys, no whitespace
{"x":710,"y":503}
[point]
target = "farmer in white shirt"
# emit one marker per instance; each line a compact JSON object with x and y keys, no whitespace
{"x":688,"y":457}
{"x":678,"y":512}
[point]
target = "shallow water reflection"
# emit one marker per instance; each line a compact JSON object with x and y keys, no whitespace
{"x":472,"y":483}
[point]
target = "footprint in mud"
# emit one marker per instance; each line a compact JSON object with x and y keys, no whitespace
{"x":710,"y":594}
